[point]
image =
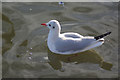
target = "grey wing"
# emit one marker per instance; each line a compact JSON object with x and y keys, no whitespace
{"x":73,"y":35}
{"x":73,"y":45}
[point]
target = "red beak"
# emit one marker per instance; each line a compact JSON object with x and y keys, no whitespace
{"x":44,"y":24}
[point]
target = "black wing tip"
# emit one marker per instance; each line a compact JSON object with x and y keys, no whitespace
{"x":103,"y":35}
{"x":109,"y":32}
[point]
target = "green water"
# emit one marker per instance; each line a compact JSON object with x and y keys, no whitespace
{"x":22,"y":34}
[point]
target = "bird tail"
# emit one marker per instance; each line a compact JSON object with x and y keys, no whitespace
{"x":101,"y":36}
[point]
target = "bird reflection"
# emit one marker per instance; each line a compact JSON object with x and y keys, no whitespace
{"x":90,"y":56}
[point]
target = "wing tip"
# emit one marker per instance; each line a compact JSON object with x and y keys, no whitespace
{"x":103,"y":35}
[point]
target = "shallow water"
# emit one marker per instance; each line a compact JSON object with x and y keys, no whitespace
{"x":24,"y":47}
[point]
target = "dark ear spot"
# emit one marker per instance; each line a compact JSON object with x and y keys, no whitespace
{"x":49,"y":24}
{"x":53,"y":27}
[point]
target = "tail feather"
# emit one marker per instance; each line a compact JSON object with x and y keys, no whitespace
{"x":101,"y":36}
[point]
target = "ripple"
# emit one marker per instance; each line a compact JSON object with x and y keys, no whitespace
{"x":88,"y":28}
{"x":82,"y":9}
{"x":4,"y":9}
{"x":60,"y":17}
{"x":24,"y":43}
{"x":7,"y":36}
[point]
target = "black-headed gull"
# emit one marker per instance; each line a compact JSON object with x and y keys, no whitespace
{"x":70,"y":43}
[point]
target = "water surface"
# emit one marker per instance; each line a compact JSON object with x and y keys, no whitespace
{"x":22,"y":35}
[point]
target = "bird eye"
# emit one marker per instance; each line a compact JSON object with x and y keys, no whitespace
{"x":49,"y":24}
{"x":53,"y":27}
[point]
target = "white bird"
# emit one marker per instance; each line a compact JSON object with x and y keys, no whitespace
{"x":70,"y":43}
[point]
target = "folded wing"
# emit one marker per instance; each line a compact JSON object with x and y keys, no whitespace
{"x":73,"y":45}
{"x":72,"y":35}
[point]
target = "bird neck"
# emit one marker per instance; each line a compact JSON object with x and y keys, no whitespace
{"x":53,"y":34}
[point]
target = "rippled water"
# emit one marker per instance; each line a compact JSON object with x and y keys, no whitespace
{"x":24,"y":47}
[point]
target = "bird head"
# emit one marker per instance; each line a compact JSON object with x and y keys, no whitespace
{"x":53,"y":25}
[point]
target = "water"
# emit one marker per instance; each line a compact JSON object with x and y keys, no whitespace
{"x":24,"y":47}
